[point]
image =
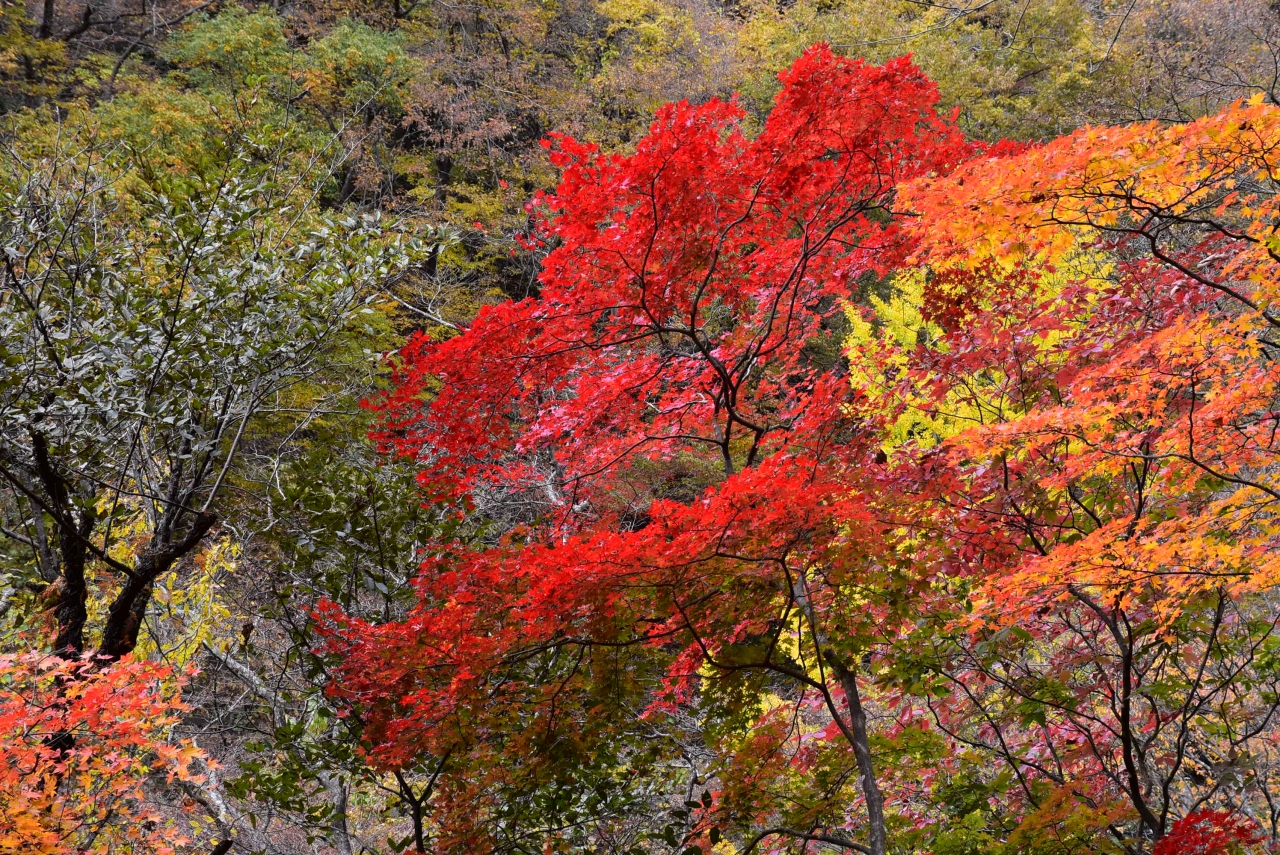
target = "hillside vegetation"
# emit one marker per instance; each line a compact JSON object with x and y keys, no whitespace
{"x":640,"y":427}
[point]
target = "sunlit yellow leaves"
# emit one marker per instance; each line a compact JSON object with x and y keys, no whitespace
{"x":878,"y":358}
{"x":188,"y":611}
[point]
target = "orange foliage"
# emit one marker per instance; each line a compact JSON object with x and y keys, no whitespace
{"x":77,"y":745}
{"x":1135,"y":443}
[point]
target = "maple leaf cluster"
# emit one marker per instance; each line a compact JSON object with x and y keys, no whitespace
{"x":78,"y":745}
{"x":1207,"y":832}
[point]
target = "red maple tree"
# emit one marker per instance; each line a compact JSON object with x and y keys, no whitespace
{"x":685,"y":311}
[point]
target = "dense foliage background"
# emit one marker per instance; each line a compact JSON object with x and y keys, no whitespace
{"x":381,"y":470}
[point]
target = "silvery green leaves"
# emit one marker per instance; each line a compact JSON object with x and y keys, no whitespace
{"x":146,"y":341}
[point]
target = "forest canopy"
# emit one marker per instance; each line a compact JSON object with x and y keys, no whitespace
{"x":642,"y":427}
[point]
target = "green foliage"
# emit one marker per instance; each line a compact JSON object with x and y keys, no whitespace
{"x":1011,"y":69}
{"x":236,"y":48}
{"x":356,"y":70}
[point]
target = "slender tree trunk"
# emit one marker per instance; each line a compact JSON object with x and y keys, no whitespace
{"x":50,"y":566}
{"x":339,"y":834}
{"x":856,"y":729}
{"x":75,"y":526}
{"x":1127,"y":740}
{"x":444,"y":174}
{"x":444,"y":169}
{"x":877,"y":838}
{"x":46,"y":20}
{"x":71,"y":611}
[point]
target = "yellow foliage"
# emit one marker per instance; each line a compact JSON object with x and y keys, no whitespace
{"x":1012,"y":69}
{"x":186,"y":609}
{"x":652,"y":30}
{"x":877,"y":351}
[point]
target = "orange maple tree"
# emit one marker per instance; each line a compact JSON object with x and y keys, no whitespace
{"x":1102,"y":347}
{"x":78,"y":743}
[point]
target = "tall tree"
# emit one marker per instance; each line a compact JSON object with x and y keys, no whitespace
{"x":1101,"y":309}
{"x":143,"y":339}
{"x":684,"y":322}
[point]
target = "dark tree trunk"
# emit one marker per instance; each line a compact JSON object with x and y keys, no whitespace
{"x":124,"y":618}
{"x":71,"y":611}
{"x":46,"y":20}
{"x":877,"y":837}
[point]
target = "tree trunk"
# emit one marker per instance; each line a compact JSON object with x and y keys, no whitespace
{"x":339,"y":834}
{"x":71,"y":612}
{"x":46,"y":21}
{"x":877,"y":839}
{"x":856,"y":729}
{"x":124,"y":618}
